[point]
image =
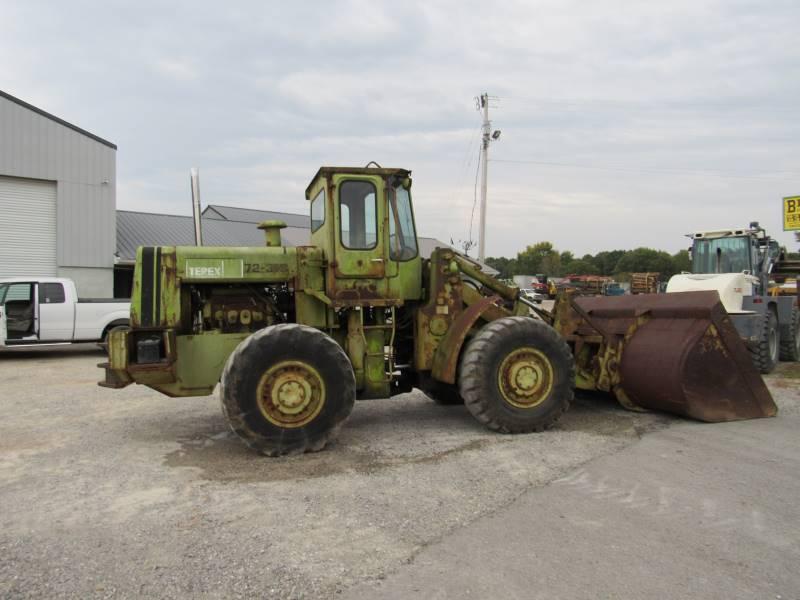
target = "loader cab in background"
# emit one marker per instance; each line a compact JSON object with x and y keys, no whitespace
{"x":363,"y":220}
{"x":723,"y":255}
{"x":748,"y":251}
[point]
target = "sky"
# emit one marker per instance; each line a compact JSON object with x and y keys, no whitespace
{"x":624,"y":124}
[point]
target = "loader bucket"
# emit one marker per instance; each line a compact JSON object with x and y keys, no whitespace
{"x":677,"y":353}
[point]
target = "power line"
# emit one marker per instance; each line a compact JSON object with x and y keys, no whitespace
{"x":665,"y":171}
{"x":567,"y":102}
{"x":475,"y":194}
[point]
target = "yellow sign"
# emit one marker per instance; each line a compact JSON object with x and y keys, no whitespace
{"x":791,"y":213}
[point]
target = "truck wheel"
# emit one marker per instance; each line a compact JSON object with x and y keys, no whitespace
{"x":287,"y":389}
{"x":790,"y":348}
{"x":444,"y":393}
{"x":765,"y":355}
{"x":517,"y":375}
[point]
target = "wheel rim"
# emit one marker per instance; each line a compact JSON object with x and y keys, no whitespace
{"x":773,"y":343}
{"x":525,"y":378}
{"x":290,"y":394}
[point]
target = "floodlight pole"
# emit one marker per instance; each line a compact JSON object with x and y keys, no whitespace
{"x":487,"y":136}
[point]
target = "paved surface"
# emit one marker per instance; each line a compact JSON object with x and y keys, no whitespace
{"x":696,"y":511}
{"x":120,"y":493}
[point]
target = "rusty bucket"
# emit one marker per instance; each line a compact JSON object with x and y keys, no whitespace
{"x":678,"y":353}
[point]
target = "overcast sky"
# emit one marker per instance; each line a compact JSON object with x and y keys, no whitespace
{"x":633,"y":123}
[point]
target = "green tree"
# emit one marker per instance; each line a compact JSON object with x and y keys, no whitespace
{"x":646,"y":260}
{"x":530,"y":260}
{"x":504,"y":265}
{"x":607,"y":260}
{"x":681,"y":261}
{"x":551,"y":265}
{"x":581,"y":267}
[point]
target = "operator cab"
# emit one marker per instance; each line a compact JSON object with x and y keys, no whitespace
{"x":732,"y":250}
{"x":363,"y":220}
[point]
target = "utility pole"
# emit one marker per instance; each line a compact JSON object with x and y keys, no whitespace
{"x":488,"y":137}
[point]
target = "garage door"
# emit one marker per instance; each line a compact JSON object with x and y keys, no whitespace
{"x":27,"y":227}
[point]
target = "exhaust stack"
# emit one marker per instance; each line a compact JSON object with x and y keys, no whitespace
{"x":198,"y":228}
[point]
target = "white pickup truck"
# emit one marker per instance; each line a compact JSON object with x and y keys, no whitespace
{"x":47,"y":310}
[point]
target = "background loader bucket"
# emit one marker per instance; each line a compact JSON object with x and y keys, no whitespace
{"x":677,"y":353}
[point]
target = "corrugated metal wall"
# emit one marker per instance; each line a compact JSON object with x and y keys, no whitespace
{"x":28,"y":233}
{"x":84,"y":169}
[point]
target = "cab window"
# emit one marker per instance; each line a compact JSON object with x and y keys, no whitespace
{"x":51,"y":293}
{"x":402,"y":237}
{"x":318,"y":211}
{"x":358,"y":215}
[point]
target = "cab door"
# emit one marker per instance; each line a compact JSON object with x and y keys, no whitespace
{"x":359,"y":246}
{"x":56,"y":314}
{"x":20,"y":312}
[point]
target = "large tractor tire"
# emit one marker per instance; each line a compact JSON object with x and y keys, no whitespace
{"x":765,"y":354}
{"x":517,"y":375}
{"x":790,"y":347}
{"x":287,"y":389}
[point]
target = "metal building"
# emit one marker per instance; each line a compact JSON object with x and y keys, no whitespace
{"x":57,"y":199}
{"x":222,"y":226}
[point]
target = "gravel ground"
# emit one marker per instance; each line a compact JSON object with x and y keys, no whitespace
{"x":119,"y":493}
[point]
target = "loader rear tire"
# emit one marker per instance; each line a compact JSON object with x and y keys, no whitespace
{"x":517,"y":375}
{"x":765,"y":354}
{"x":287,"y":389}
{"x":790,"y":347}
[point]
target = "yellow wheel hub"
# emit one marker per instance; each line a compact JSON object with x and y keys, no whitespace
{"x":290,"y":394}
{"x":525,"y":377}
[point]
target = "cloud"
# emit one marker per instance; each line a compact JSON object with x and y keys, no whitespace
{"x":634,"y":122}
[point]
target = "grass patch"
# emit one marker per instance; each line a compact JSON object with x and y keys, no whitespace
{"x":790,"y":370}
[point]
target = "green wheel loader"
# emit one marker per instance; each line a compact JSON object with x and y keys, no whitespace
{"x":294,"y":335}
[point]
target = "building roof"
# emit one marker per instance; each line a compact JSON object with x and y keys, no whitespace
{"x":252,"y":215}
{"x":52,"y":117}
{"x":136,"y":229}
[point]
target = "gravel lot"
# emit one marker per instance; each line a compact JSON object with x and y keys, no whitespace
{"x":119,"y":493}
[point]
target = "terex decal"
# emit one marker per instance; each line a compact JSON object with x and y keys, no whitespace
{"x":214,"y":268}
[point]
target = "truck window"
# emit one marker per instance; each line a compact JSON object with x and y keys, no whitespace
{"x":318,"y":211}
{"x":16,"y":291}
{"x":402,"y":237}
{"x":358,"y":215}
{"x":52,"y":293}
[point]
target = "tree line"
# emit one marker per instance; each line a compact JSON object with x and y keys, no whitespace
{"x":544,"y":258}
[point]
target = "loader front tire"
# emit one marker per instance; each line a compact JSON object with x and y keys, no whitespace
{"x":287,"y":389}
{"x":517,"y":375}
{"x":790,"y":347}
{"x":765,"y":354}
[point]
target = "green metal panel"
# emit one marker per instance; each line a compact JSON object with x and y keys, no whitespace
{"x":208,"y":264}
{"x":199,"y":362}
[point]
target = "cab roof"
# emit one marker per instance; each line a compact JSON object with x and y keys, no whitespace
{"x":327,"y":171}
{"x":721,"y":233}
